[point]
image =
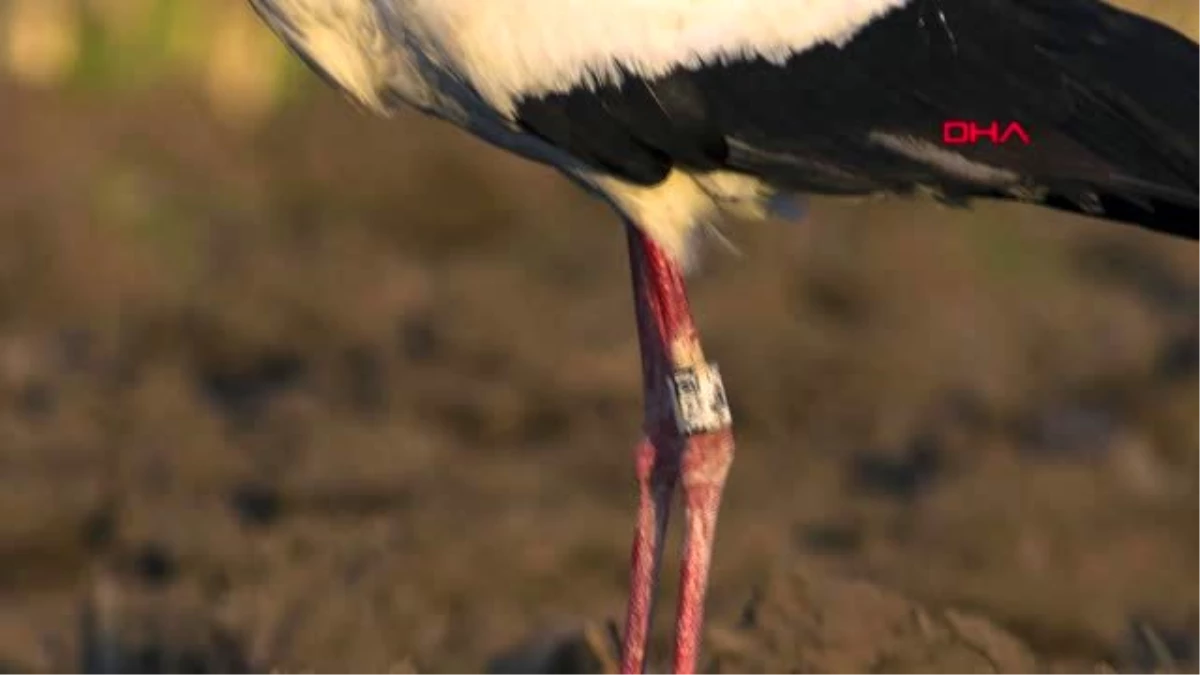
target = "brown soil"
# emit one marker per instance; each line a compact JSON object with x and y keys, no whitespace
{"x":348,"y":394}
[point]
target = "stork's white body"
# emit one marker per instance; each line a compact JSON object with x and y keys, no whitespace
{"x":505,"y":49}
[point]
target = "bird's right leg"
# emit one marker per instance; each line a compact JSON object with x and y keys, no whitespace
{"x":657,"y":471}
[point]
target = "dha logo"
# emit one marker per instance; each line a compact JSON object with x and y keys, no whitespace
{"x":969,"y":132}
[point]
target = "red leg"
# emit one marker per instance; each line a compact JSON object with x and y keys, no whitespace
{"x":656,"y":486}
{"x":688,"y":438}
{"x":705,"y":465}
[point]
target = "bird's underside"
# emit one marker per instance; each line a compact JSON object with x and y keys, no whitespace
{"x":1073,"y":105}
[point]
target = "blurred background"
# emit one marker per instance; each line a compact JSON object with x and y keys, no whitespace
{"x":284,"y":387}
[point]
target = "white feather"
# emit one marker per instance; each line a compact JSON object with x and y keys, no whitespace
{"x":512,"y":48}
{"x":508,"y":49}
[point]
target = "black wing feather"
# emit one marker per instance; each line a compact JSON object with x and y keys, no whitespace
{"x":1109,"y":98}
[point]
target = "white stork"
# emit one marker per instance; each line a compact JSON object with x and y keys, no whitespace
{"x":678,"y":111}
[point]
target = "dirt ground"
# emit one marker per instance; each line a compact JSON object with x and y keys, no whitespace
{"x":346,"y":394}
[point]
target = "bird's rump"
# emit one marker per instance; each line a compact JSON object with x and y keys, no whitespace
{"x":1107,"y":100}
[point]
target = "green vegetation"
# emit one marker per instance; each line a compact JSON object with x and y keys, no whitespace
{"x":217,"y":46}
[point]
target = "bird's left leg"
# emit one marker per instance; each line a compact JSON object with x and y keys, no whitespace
{"x":689,"y":440}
